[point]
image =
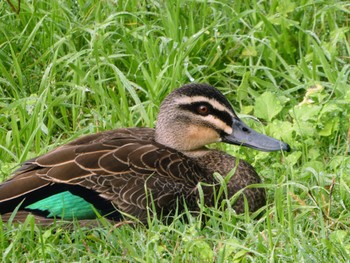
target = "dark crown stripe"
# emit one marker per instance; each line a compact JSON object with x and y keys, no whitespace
{"x":205,"y":90}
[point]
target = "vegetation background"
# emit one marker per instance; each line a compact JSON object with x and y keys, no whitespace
{"x":69,"y":68}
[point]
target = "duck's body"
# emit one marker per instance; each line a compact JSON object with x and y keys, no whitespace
{"x":134,"y":169}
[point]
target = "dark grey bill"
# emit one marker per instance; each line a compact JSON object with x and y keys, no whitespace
{"x":244,"y":135}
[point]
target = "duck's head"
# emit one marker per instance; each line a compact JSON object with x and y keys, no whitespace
{"x":198,"y":114}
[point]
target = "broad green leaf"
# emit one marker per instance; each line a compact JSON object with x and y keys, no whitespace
{"x":293,"y":158}
{"x":329,"y":127}
{"x":267,"y":106}
{"x":249,"y":51}
{"x":305,"y":112}
{"x":282,"y":130}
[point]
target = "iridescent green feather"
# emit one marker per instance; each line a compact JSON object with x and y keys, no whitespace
{"x":65,"y":205}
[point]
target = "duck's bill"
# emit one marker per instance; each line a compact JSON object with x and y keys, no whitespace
{"x":246,"y":136}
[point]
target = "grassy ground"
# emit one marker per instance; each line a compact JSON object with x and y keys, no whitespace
{"x":69,"y":68}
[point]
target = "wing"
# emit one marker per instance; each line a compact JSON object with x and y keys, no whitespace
{"x":121,"y":169}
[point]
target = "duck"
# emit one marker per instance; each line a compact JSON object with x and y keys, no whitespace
{"x":134,"y":172}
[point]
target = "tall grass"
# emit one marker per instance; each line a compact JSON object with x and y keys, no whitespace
{"x":78,"y":67}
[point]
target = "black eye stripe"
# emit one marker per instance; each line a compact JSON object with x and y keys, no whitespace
{"x":222,"y":115}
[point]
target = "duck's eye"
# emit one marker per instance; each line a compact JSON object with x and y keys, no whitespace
{"x":203,"y":110}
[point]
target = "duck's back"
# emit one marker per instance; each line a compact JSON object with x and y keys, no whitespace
{"x":122,"y":169}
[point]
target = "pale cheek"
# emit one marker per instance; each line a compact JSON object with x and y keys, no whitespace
{"x":200,"y":136}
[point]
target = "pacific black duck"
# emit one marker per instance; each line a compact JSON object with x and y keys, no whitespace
{"x":124,"y":170}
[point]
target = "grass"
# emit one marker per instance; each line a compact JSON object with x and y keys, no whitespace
{"x":78,"y":67}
